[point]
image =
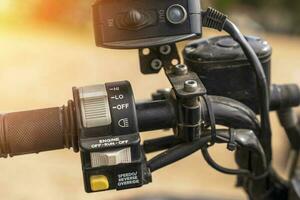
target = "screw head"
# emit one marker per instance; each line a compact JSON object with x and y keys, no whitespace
{"x":180,"y":69}
{"x":190,"y":86}
{"x":156,"y":64}
{"x":165,"y":49}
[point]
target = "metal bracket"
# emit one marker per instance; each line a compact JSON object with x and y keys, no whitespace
{"x":187,"y":87}
{"x":153,"y":59}
{"x":186,"y":84}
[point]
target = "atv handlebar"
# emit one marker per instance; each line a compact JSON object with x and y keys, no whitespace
{"x":55,"y":128}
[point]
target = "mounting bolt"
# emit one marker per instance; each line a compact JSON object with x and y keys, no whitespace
{"x":190,"y":86}
{"x":180,"y":69}
{"x":165,"y":49}
{"x":190,"y":49}
{"x":156,"y":64}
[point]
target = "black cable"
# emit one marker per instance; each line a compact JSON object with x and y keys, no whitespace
{"x":217,"y":20}
{"x":221,"y":169}
{"x":176,"y":153}
{"x":162,"y":143}
{"x":242,"y":172}
{"x":245,"y":110}
{"x":212,"y":120}
{"x":230,"y":28}
{"x":239,"y":138}
{"x":231,"y":113}
{"x":243,"y":138}
{"x":228,"y":112}
{"x":263,"y":92}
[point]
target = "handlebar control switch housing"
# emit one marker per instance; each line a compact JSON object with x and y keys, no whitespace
{"x":109,"y":140}
{"x":131,"y":24}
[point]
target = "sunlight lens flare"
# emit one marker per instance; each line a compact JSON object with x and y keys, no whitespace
{"x":5,"y":6}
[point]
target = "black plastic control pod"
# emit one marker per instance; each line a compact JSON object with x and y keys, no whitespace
{"x":109,"y":140}
{"x":132,"y":24}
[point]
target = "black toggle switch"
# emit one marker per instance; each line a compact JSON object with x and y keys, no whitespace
{"x":136,"y":20}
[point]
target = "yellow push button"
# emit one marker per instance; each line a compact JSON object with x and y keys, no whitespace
{"x":99,"y":183}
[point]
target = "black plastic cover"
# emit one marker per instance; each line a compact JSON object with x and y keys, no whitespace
{"x":224,"y":70}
